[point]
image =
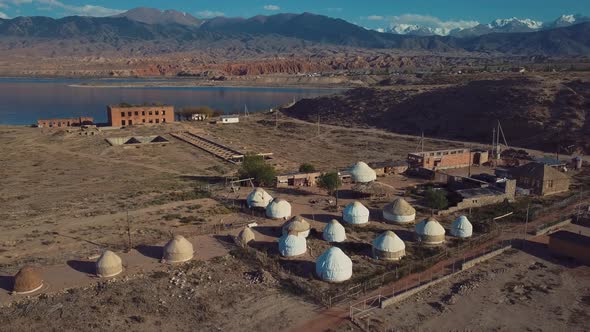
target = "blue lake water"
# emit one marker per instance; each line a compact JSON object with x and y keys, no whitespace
{"x":24,"y":100}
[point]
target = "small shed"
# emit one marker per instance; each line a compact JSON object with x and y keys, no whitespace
{"x":570,"y":244}
{"x":228,"y":119}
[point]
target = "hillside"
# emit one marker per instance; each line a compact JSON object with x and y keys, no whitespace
{"x":534,"y":112}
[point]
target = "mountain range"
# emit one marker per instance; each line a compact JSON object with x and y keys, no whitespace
{"x":151,"y":31}
{"x":509,"y":25}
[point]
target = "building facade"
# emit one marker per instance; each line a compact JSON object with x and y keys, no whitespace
{"x":443,"y":159}
{"x":129,"y":115}
{"x":71,"y":122}
{"x":569,"y":244}
{"x":541,"y":179}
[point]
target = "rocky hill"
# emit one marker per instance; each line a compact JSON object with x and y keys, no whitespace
{"x":534,"y":112}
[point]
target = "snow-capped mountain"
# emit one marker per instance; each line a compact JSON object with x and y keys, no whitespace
{"x":506,"y":25}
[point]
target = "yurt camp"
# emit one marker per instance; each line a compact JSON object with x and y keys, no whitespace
{"x":355,"y":213}
{"x":27,"y":280}
{"x":278,"y":209}
{"x":430,"y":231}
{"x":245,"y":236}
{"x":461,"y":227}
{"x":258,"y":198}
{"x":388,"y":246}
{"x":362,"y":173}
{"x":399,"y":211}
{"x":178,"y":250}
{"x":298,"y":226}
{"x":109,"y":265}
{"x":292,"y":245}
{"x":334,"y":266}
{"x":334,"y":232}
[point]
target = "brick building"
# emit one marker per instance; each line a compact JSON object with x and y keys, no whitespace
{"x":542,"y":179}
{"x":129,"y":115}
{"x":71,"y":122}
{"x":445,"y":159}
{"x":569,"y":244}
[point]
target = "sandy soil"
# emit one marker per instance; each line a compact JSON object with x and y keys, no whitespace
{"x":517,"y":291}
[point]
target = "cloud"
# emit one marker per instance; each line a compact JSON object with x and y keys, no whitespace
{"x":2,"y":15}
{"x":209,"y":13}
{"x":272,"y":7}
{"x":440,"y":26}
{"x":86,"y":10}
{"x":375,"y":18}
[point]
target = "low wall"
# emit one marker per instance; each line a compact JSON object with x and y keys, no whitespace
{"x":543,"y":229}
{"x":464,"y":266}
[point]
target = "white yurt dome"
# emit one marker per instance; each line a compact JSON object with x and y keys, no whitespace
{"x":362,"y":173}
{"x":388,"y":246}
{"x":245,"y":236}
{"x":334,"y":232}
{"x":297,"y":225}
{"x":430,"y":231}
{"x":355,"y":213}
{"x":461,"y":227}
{"x":178,"y":250}
{"x":333,"y":266}
{"x":258,"y":198}
{"x":399,"y":211}
{"x":109,"y":265}
{"x":291,"y":245}
{"x":278,"y":209}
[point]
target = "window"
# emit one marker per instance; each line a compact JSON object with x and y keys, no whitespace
{"x":129,"y":113}
{"x":157,"y":120}
{"x":130,"y":122}
{"x":123,"y":114}
{"x":151,"y":121}
{"x":163,"y":120}
{"x":143,"y":113}
{"x":136,"y":113}
{"x":122,"y":122}
{"x":150,"y":113}
{"x":163,"y":112}
{"x":143,"y":120}
{"x":157,"y":112}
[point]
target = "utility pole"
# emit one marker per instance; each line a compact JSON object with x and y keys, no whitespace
{"x":494,"y":143}
{"x":422,"y":142}
{"x":128,"y":232}
{"x":526,"y":223}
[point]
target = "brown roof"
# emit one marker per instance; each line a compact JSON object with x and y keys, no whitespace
{"x":539,"y":171}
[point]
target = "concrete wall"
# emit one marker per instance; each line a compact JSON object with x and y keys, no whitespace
{"x":471,"y":263}
{"x":125,"y":116}
{"x":55,"y":123}
{"x":544,"y":230}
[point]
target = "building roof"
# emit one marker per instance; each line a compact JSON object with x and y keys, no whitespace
{"x":292,"y":245}
{"x":550,"y":161}
{"x":400,"y":207}
{"x":389,"y":242}
{"x":178,"y":250}
{"x":356,"y":213}
{"x":27,"y":280}
{"x":258,"y":198}
{"x":296,"y":224}
{"x":109,"y":264}
{"x":229,"y":116}
{"x":478,"y":192}
{"x":333,"y":265}
{"x":334,"y":232}
{"x":278,"y":209}
{"x":462,"y":227}
{"x":430,"y":227}
{"x":361,"y":172}
{"x":245,"y":236}
{"x":389,"y":163}
{"x":539,"y":171}
{"x":572,"y":237}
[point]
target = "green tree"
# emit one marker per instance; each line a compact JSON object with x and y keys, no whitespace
{"x":330,"y":182}
{"x":436,"y":199}
{"x":306,"y":168}
{"x":255,"y":167}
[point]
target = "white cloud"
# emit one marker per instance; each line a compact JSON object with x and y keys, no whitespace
{"x":209,"y":13}
{"x":375,"y":18}
{"x":272,"y":7}
{"x":2,"y":15}
{"x":380,"y":30}
{"x":438,"y":25}
{"x":87,"y":10}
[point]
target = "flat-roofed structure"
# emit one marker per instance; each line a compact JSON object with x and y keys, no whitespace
{"x":570,"y":244}
{"x":66,"y":122}
{"x":129,"y":115}
{"x":446,"y":159}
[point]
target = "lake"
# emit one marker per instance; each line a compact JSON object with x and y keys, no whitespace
{"x":24,"y":100}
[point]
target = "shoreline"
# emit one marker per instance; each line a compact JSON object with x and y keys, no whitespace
{"x":237,"y":86}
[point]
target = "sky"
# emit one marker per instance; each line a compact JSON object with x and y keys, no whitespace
{"x":373,"y":14}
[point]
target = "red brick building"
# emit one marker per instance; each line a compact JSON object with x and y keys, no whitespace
{"x":71,"y":122}
{"x":129,"y":115}
{"x":443,"y":159}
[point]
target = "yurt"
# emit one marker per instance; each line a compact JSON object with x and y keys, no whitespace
{"x":298,"y":226}
{"x":27,"y":280}
{"x":388,"y":246}
{"x":108,"y":265}
{"x":292,"y":245}
{"x":258,"y":198}
{"x":278,"y":209}
{"x":333,"y":266}
{"x":334,"y":232}
{"x":355,"y":213}
{"x":429,"y":231}
{"x":362,"y":173}
{"x":245,"y":236}
{"x":399,"y":211}
{"x":461,"y":227}
{"x":178,"y":250}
